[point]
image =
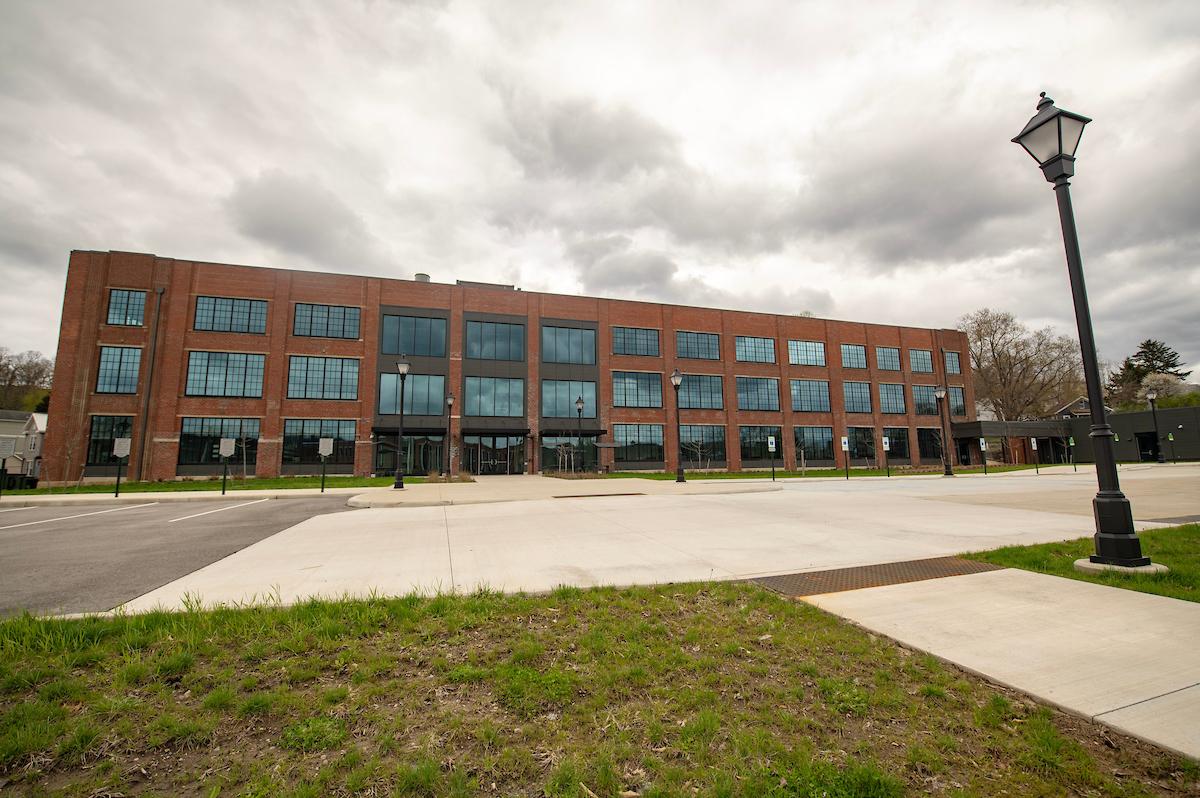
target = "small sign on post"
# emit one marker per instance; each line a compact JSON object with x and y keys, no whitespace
{"x":771,"y":449}
{"x":1071,"y":452}
{"x":1036,"y":461}
{"x":887,"y":461}
{"x":226,"y":449}
{"x":324,"y":448}
{"x":846,"y":449}
{"x":121,"y":452}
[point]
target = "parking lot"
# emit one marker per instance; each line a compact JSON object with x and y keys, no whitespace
{"x":93,"y":557}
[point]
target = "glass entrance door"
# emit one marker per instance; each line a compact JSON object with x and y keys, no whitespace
{"x":494,"y":454}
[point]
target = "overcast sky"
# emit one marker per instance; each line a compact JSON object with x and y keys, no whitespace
{"x":847,"y":159}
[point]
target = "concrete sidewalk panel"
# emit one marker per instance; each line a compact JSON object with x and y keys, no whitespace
{"x":1172,"y":720}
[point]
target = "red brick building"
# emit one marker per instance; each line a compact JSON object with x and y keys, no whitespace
{"x":178,"y":354}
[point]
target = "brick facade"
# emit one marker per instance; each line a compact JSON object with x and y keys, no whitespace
{"x":157,"y":416}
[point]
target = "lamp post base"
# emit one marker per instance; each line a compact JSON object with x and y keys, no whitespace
{"x":399,"y":484}
{"x":1090,"y":567}
{"x":1117,"y":543}
{"x":679,"y":476}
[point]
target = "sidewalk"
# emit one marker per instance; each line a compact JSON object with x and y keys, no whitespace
{"x":1126,"y":659}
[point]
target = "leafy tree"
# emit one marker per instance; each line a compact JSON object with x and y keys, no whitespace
{"x":1020,"y":374}
{"x":43,"y":405}
{"x":22,"y":374}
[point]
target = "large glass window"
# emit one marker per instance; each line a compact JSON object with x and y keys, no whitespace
{"x":635,"y":341}
{"x":118,"y":371}
{"x":929,"y":443}
{"x":200,"y":440}
{"x":887,"y":358}
{"x":753,"y":442}
{"x":106,"y":429}
{"x":326,"y":321}
{"x":891,"y":398}
{"x":854,"y":356}
{"x":224,"y":374}
{"x":415,"y":336}
{"x":754,"y":350}
{"x":568,"y":345}
{"x":302,"y":439}
{"x":222,"y":314}
{"x":862,"y":442}
{"x":814,"y":443}
{"x":558,"y":398}
{"x":322,"y":377}
{"x":127,"y":308}
{"x":637,"y":389}
{"x":953,"y":366}
{"x":569,"y":453}
{"x":958,"y":404}
{"x":920,"y":361}
{"x":698,"y":346}
{"x":421,"y":454}
{"x":806,"y":353}
{"x":701,"y":445}
{"x":494,"y":397}
{"x":810,"y":396}
{"x":424,"y":394}
{"x":638,"y":443}
{"x":758,"y":393}
{"x":857,"y":396}
{"x":495,"y":340}
{"x":924,"y":400}
{"x":701,"y":392}
{"x":898,"y":440}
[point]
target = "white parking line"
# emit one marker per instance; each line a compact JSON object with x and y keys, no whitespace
{"x":218,"y":510}
{"x":14,"y":509}
{"x":80,"y":515}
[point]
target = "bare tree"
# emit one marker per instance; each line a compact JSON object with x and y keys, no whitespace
{"x":22,"y":374}
{"x":1019,"y":373}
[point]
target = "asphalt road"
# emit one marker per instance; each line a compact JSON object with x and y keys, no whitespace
{"x":88,"y":558}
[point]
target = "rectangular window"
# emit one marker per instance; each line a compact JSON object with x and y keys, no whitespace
{"x":898,"y":440}
{"x":854,"y":356}
{"x":495,"y":340}
{"x":701,"y":392}
{"x":126,"y":308}
{"x":862,"y":442}
{"x":753,"y":442}
{"x":322,"y":377}
{"x":499,"y":397}
{"x":118,"y":371}
{"x":758,"y":393}
{"x":636,"y":389}
{"x":638,"y":443}
{"x":424,"y":394}
{"x":815,"y":443}
{"x":302,"y":440}
{"x":106,"y":429}
{"x":929,"y":443}
{"x":924,"y":400}
{"x":222,"y":314}
{"x":920,"y":361}
{"x":754,"y":350}
{"x":958,"y":404}
{"x":891,"y":398}
{"x":806,"y":353}
{"x":200,"y":440}
{"x":558,"y":398}
{"x":326,"y":321}
{"x":953,"y":366}
{"x":857,"y":396}
{"x":810,"y":396}
{"x":635,"y":341}
{"x":701,"y":445}
{"x":415,"y":336}
{"x":568,"y":345}
{"x":698,"y":346}
{"x":224,"y":374}
{"x":887,"y":358}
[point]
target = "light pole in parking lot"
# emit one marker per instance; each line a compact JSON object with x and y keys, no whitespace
{"x":939,"y":393}
{"x":676,"y":381}
{"x":402,"y":367}
{"x":1152,"y":398}
{"x":449,"y":438}
{"x":579,"y":437}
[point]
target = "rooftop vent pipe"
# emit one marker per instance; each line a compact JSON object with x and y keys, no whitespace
{"x":421,"y":277}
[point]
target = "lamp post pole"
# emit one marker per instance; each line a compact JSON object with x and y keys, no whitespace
{"x":579,"y":433}
{"x":449,"y":438}
{"x":939,"y":393}
{"x":402,"y":367}
{"x":1051,"y":137}
{"x":676,"y":381}
{"x":1152,"y":397}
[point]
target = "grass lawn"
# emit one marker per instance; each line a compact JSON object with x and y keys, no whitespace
{"x":681,"y":690}
{"x":897,"y":471}
{"x":274,"y":483}
{"x":1176,"y":547}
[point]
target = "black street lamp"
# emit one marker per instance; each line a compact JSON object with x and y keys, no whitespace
{"x":449,"y":438}
{"x":579,"y":437}
{"x":1051,"y":137}
{"x":1152,"y":398}
{"x":939,"y":393}
{"x":676,"y":381}
{"x":401,"y":367}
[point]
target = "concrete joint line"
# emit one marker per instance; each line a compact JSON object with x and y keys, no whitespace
{"x":1145,"y":700}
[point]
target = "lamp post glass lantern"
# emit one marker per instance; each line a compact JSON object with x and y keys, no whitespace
{"x":402,"y":368}
{"x":676,"y":381}
{"x":939,"y":393}
{"x":1051,"y":137}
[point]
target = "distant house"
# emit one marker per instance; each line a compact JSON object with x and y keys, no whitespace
{"x":1077,"y":408}
{"x":28,"y":432}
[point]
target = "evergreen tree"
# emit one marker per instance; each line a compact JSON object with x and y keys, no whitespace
{"x":1124,"y":382}
{"x":1155,"y":357}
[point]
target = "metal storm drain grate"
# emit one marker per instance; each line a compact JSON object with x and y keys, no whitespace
{"x":814,"y":583}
